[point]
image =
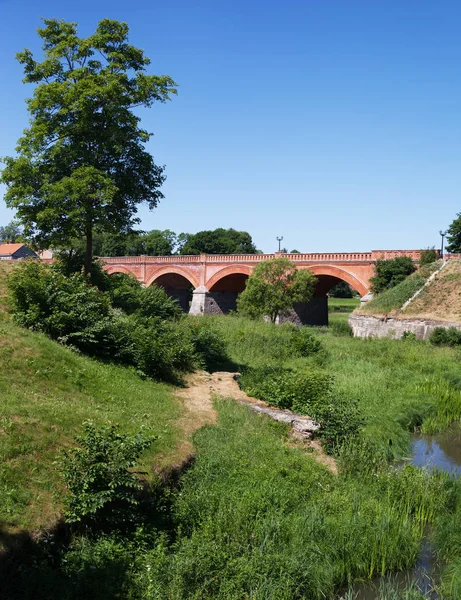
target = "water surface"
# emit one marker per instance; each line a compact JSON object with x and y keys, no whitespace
{"x":442,"y":451}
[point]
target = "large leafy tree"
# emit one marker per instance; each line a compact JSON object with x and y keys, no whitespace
{"x":275,"y":286}
{"x":454,"y":236}
{"x":82,"y":162}
{"x":217,"y":241}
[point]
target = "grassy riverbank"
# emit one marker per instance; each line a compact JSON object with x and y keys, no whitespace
{"x":400,"y":385}
{"x":255,"y":516}
{"x":47,"y":391}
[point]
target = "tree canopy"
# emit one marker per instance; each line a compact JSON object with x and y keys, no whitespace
{"x":454,"y":236}
{"x":82,"y":163}
{"x":275,"y":286}
{"x":217,"y":241}
{"x":341,"y":290}
{"x":10,"y":232}
{"x":390,"y":272}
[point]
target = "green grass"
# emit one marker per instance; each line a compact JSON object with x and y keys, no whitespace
{"x":343,"y":305}
{"x":395,"y":298}
{"x":47,"y":391}
{"x":400,"y":385}
{"x":256,"y":518}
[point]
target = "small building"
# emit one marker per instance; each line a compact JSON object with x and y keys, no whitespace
{"x":46,"y":254}
{"x":15,"y":251}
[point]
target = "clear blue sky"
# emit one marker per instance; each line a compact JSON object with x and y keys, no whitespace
{"x":335,"y":123}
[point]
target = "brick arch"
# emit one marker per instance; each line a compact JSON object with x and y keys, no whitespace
{"x":360,"y":286}
{"x":119,"y":269}
{"x":191,"y":277}
{"x":233,"y":270}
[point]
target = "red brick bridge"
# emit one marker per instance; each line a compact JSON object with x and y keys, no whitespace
{"x":213,"y":281}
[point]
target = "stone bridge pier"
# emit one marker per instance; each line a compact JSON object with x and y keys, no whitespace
{"x":211,"y":283}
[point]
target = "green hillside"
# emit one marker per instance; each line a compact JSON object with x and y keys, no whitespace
{"x":390,"y":301}
{"x":441,"y":299}
{"x":47,"y":391}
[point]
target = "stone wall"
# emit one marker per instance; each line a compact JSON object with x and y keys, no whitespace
{"x":371,"y":326}
{"x":220,"y":303}
{"x":183,"y":297}
{"x":314,"y":312}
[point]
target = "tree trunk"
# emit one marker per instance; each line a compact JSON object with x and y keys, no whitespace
{"x":89,"y":249}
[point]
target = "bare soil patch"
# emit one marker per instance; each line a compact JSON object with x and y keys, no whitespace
{"x":197,"y":401}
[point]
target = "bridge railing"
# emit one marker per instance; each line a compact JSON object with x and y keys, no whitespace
{"x":256,"y":258}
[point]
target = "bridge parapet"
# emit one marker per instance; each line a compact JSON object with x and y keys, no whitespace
{"x":387,"y":254}
{"x":257,"y":258}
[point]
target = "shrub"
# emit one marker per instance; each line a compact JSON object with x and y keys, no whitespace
{"x":125,"y":292}
{"x":442,"y":336}
{"x":155,"y":302}
{"x":157,"y":349}
{"x":304,"y":342}
{"x":308,"y":392}
{"x":428,"y":256}
{"x":65,"y":308}
{"x":296,"y":390}
{"x":409,"y":335}
{"x":209,"y":346}
{"x":340,"y":416}
{"x":388,"y":273}
{"x":75,"y":313}
{"x":103,"y":488}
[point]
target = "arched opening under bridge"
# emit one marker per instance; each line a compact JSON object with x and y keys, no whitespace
{"x":177,"y":286}
{"x":315,"y":312}
{"x":223,"y":292}
{"x":327,"y":278}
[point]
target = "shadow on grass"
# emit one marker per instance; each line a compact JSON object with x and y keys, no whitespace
{"x":72,"y":563}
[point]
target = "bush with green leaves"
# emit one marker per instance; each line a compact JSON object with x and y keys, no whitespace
{"x":102,"y":485}
{"x":390,"y":272}
{"x":409,"y":336}
{"x":155,"y":302}
{"x":148,"y":335}
{"x":286,"y":388}
{"x":305,"y":343}
{"x":65,"y":308}
{"x":442,"y":336}
{"x":307,"y":392}
{"x":428,"y":256}
{"x":209,"y":346}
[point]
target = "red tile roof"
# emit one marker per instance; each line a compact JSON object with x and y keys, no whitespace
{"x":9,"y":248}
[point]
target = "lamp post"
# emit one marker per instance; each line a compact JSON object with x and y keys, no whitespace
{"x":443,"y":234}
{"x":279,"y":239}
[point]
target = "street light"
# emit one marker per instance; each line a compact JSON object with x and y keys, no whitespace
{"x":279,"y":239}
{"x":443,"y":234}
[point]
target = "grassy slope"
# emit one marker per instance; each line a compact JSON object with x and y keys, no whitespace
{"x":46,"y":392}
{"x":390,"y":301}
{"x":441,"y":299}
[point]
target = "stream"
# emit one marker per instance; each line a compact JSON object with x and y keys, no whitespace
{"x":444,"y":452}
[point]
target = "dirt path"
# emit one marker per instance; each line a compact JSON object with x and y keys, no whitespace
{"x":197,"y":400}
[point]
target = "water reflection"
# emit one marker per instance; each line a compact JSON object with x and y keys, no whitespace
{"x":442,"y":451}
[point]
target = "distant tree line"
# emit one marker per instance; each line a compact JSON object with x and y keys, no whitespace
{"x":152,"y":243}
{"x":167,"y":242}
